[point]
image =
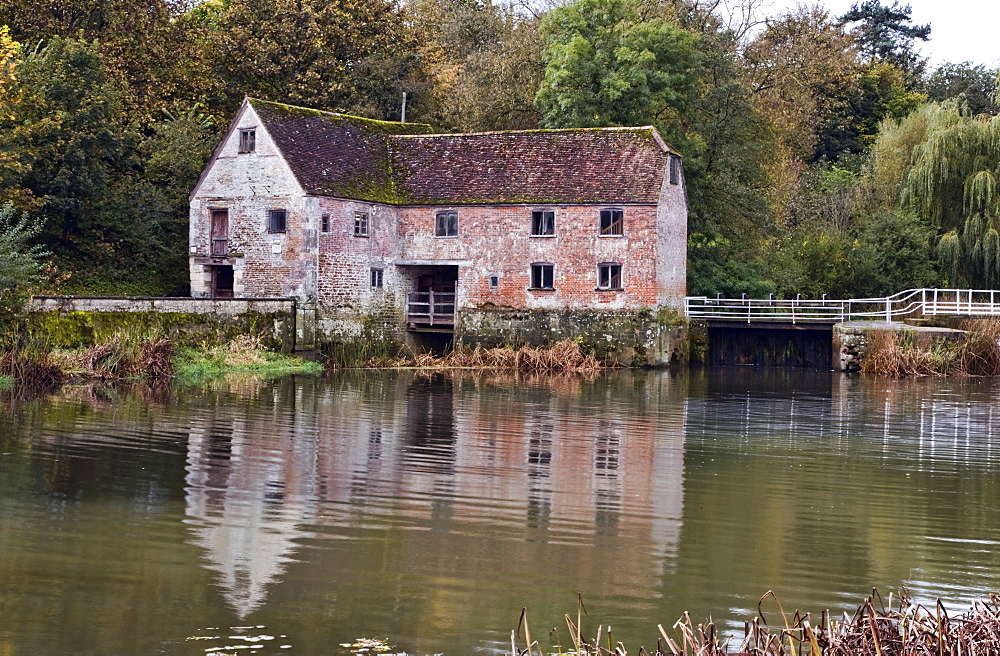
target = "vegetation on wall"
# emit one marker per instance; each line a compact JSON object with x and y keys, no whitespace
{"x":814,"y":145}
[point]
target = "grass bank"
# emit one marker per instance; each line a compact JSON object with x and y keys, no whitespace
{"x":242,"y":354}
{"x":891,"y":353}
{"x":30,"y":360}
{"x":879,"y":627}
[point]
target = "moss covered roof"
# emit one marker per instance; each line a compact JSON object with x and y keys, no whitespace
{"x":402,"y":163}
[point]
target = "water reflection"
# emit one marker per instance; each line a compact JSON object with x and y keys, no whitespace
{"x":427,"y":509}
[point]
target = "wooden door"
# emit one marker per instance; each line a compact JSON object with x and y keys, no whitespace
{"x":220,"y":232}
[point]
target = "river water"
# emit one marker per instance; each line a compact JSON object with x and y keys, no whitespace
{"x":291,"y":515}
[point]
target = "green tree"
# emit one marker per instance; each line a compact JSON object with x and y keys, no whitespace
{"x":884,"y":34}
{"x":21,"y":262}
{"x":62,"y":125}
{"x":973,"y":85}
{"x":605,"y":66}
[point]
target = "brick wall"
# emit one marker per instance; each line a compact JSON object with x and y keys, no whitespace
{"x":497,"y":240}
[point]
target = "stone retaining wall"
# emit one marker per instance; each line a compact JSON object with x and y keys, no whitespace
{"x":74,"y":321}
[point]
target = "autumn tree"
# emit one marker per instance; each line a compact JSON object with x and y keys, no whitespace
{"x":311,"y":52}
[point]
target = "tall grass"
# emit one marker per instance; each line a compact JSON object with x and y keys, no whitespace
{"x":892,"y":353}
{"x":565,"y":355}
{"x":898,"y":627}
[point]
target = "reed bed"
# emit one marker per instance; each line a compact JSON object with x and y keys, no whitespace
{"x":891,"y":354}
{"x":897,"y":627}
{"x":122,"y":356}
{"x":565,"y":355}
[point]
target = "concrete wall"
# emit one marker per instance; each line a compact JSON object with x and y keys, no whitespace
{"x":73,"y":321}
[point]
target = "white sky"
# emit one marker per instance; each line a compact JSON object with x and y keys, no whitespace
{"x":961,"y":30}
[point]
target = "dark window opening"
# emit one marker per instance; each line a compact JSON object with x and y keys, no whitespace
{"x":612,"y":222}
{"x":276,"y":220}
{"x":248,"y":140}
{"x":446,"y":224}
{"x":543,"y":223}
{"x":324,"y":223}
{"x":609,"y":275}
{"x":361,"y":224}
{"x":542,"y":276}
{"x":377,"y":278}
{"x":494,"y":282}
{"x":675,"y":169}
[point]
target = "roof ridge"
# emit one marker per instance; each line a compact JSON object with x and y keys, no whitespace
{"x":634,"y":128}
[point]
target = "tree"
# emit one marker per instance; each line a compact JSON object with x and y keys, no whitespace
{"x":21,"y":262}
{"x":884,"y":34}
{"x":973,"y":84}
{"x":310,"y":52}
{"x":605,"y":66}
{"x":62,"y":125}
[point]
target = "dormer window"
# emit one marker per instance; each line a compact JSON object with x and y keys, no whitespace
{"x":248,"y":140}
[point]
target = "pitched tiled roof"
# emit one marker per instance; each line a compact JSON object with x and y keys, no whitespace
{"x":350,"y":157}
{"x":334,"y":154}
{"x":602,"y":165}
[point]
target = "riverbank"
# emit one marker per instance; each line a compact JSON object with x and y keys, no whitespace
{"x":897,"y":353}
{"x":31,"y":360}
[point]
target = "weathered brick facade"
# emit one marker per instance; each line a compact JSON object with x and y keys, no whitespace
{"x":357,"y":224}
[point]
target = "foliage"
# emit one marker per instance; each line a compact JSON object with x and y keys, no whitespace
{"x":21,"y":263}
{"x":973,"y":85}
{"x":310,"y":52}
{"x":606,"y":66}
{"x":885,"y":35}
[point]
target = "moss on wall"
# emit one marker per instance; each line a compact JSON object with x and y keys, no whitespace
{"x":85,"y":328}
{"x":621,"y":337}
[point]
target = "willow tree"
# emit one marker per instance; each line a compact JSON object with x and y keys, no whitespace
{"x":947,"y":165}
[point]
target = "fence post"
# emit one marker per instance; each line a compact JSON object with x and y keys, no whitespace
{"x":888,"y":311}
{"x":430,"y":306}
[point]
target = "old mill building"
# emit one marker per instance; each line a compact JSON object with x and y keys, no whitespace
{"x":389,"y":232}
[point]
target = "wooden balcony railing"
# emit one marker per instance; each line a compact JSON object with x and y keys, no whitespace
{"x":430,"y":308}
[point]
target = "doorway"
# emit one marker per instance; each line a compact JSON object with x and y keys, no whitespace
{"x":222,"y":281}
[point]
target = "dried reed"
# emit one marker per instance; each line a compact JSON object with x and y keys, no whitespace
{"x":877,"y":628}
{"x":565,"y":355}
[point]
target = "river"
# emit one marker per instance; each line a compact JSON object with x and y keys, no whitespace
{"x":289,"y":516}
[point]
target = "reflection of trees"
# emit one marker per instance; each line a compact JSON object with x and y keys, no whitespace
{"x":849,"y":482}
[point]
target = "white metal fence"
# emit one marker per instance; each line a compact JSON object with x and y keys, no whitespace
{"x":905,"y":304}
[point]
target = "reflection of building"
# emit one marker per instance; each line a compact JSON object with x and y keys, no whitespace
{"x":247,"y":497}
{"x":523,"y":474}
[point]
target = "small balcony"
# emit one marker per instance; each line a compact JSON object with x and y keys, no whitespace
{"x":430,"y":311}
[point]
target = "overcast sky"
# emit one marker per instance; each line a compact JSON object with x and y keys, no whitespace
{"x":961,"y":30}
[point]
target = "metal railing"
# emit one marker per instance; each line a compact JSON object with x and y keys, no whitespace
{"x":905,"y":304}
{"x":431,"y":308}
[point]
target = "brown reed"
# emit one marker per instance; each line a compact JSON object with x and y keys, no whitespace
{"x":565,"y":355}
{"x":897,"y":628}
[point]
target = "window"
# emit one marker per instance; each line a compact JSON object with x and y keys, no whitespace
{"x":494,"y":282}
{"x":612,"y":222}
{"x":377,"y":278}
{"x":446,"y":224}
{"x":541,"y":276}
{"x":609,"y":275}
{"x":324,"y":223}
{"x":675,"y":169}
{"x":248,"y":140}
{"x":276,"y":220}
{"x":361,"y":224}
{"x":543,"y":223}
